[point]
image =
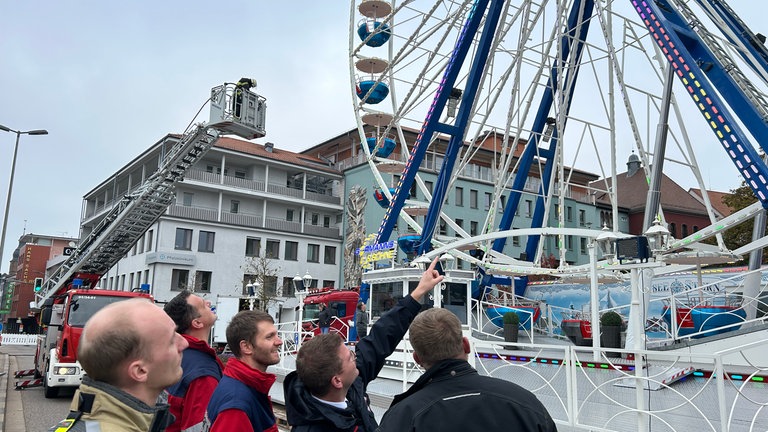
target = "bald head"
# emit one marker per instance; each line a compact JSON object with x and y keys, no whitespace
{"x":113,"y":336}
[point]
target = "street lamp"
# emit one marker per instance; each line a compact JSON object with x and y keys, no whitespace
{"x":252,"y":287}
{"x":300,"y":286}
{"x":10,"y":183}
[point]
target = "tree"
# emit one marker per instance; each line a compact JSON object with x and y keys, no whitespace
{"x":262,"y":274}
{"x":738,"y":236}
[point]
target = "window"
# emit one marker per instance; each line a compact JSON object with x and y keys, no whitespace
{"x":288,"y":287}
{"x":273,"y":249}
{"x":330,"y":255}
{"x":270,"y":286}
{"x":582,"y":217}
{"x":487,"y":201}
{"x":205,"y":241}
{"x":239,"y":174}
{"x":443,"y":227}
{"x":516,"y":241}
{"x":179,"y":279}
{"x":315,"y":218}
{"x":150,"y":234}
{"x":460,"y":223}
{"x":234,"y":206}
{"x":186,"y":199}
{"x":473,"y":198}
{"x":140,"y":244}
{"x":289,"y":215}
{"x":583,"y":245}
{"x":326,"y":221}
{"x":684,"y":232}
{"x":502,"y":203}
{"x":459,"y":197}
{"x":528,"y":208}
{"x":568,"y":213}
{"x":412,"y":190}
{"x":328,"y":283}
{"x":252,"y":246}
{"x":313,"y":253}
{"x":291,"y":251}
{"x":429,"y":186}
{"x":183,"y":239}
{"x":673,"y":229}
{"x":569,"y":243}
{"x":473,"y":228}
{"x":203,"y":281}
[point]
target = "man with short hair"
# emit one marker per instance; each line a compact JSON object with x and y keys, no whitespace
{"x":324,"y":319}
{"x":241,"y":401}
{"x":326,"y":392}
{"x":361,"y":321}
{"x":450,"y":394}
{"x":189,"y":397}
{"x":130,"y":352}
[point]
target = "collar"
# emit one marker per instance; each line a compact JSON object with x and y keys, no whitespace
{"x":251,"y":377}
{"x":445,"y":369}
{"x":200,"y":345}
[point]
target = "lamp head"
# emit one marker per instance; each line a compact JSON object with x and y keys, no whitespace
{"x":37,"y":132}
{"x":307,"y":280}
{"x":422,"y":262}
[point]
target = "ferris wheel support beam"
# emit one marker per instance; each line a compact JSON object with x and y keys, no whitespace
{"x":432,"y":122}
{"x":701,"y":73}
{"x":545,"y":106}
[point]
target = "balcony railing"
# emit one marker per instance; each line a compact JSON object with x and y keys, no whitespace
{"x":242,"y":219}
{"x":197,"y":213}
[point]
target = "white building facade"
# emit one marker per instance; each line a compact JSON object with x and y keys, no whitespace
{"x":242,"y":206}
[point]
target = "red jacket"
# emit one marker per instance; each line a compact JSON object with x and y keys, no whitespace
{"x":243,"y":391}
{"x":189,"y":397}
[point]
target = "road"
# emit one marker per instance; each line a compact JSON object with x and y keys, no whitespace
{"x":39,"y":413}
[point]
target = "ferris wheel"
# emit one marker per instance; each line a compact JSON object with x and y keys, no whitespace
{"x":522,"y":96}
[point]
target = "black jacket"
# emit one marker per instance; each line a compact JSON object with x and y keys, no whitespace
{"x":306,"y":414}
{"x":452,"y":396}
{"x":324,"y":318}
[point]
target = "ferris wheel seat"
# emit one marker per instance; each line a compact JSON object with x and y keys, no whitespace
{"x":379,"y":93}
{"x":381,"y":33}
{"x":381,"y":198}
{"x":409,"y":243}
{"x":387,"y":147}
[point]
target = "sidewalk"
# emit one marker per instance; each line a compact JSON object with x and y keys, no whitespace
{"x":11,"y":409}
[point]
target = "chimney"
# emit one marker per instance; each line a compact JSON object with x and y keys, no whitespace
{"x":269,"y":147}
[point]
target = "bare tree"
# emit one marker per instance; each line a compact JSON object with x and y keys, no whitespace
{"x":356,"y":203}
{"x":262,"y":273}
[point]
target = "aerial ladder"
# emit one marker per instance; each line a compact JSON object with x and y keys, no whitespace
{"x":68,"y":297}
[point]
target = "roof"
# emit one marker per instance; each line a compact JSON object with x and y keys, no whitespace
{"x":276,"y":154}
{"x":715,"y":198}
{"x":632,"y":193}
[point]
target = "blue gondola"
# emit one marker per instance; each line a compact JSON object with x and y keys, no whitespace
{"x":385,"y":150}
{"x":409,"y":243}
{"x":381,"y":31}
{"x":379,"y":93}
{"x":382,"y":199}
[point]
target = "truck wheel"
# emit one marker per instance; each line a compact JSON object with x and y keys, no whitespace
{"x":50,"y":392}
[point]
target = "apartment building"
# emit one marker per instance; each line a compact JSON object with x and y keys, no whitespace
{"x":243,"y":205}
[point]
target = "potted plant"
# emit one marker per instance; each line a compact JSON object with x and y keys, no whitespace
{"x":610,"y":332}
{"x":511,"y":327}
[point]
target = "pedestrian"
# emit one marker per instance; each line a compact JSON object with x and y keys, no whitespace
{"x":130,"y":352}
{"x":361,"y":321}
{"x":241,"y":401}
{"x":324,"y":319}
{"x":326,"y":392}
{"x":450,"y":394}
{"x":189,"y":397}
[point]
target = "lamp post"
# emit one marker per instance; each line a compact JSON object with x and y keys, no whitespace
{"x":10,"y":183}
{"x":252,"y":287}
{"x":300,"y":286}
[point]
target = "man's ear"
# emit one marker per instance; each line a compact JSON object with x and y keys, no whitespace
{"x":416,"y":358}
{"x":137,"y":371}
{"x":245,"y":347}
{"x":466,"y":345}
{"x":196,"y":323}
{"x":336,"y":382}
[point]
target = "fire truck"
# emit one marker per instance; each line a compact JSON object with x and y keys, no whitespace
{"x":341,"y":303}
{"x":69,"y":296}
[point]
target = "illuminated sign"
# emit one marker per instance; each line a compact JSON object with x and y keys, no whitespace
{"x":372,"y":252}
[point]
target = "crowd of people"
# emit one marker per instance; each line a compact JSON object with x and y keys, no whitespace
{"x":151,"y":369}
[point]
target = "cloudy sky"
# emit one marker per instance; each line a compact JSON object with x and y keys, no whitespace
{"x":108,"y":79}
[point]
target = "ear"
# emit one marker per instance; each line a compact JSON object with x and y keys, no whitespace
{"x":137,"y":371}
{"x":416,"y":358}
{"x":196,"y":323}
{"x":245,"y":347}
{"x":336,"y":382}
{"x":465,"y":344}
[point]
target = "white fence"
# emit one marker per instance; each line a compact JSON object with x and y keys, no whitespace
{"x":18,"y":339}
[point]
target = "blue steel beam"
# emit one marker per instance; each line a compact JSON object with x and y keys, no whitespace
{"x":432,"y":121}
{"x":686,"y":53}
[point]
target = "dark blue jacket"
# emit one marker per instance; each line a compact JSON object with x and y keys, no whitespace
{"x":306,"y":414}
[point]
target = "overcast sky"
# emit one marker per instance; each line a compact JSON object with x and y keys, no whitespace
{"x":108,"y":79}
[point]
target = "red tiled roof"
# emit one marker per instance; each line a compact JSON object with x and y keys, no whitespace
{"x":276,"y":153}
{"x":632,"y":193}
{"x":716,"y":198}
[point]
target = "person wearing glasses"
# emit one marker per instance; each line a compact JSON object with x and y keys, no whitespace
{"x":327,"y":391}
